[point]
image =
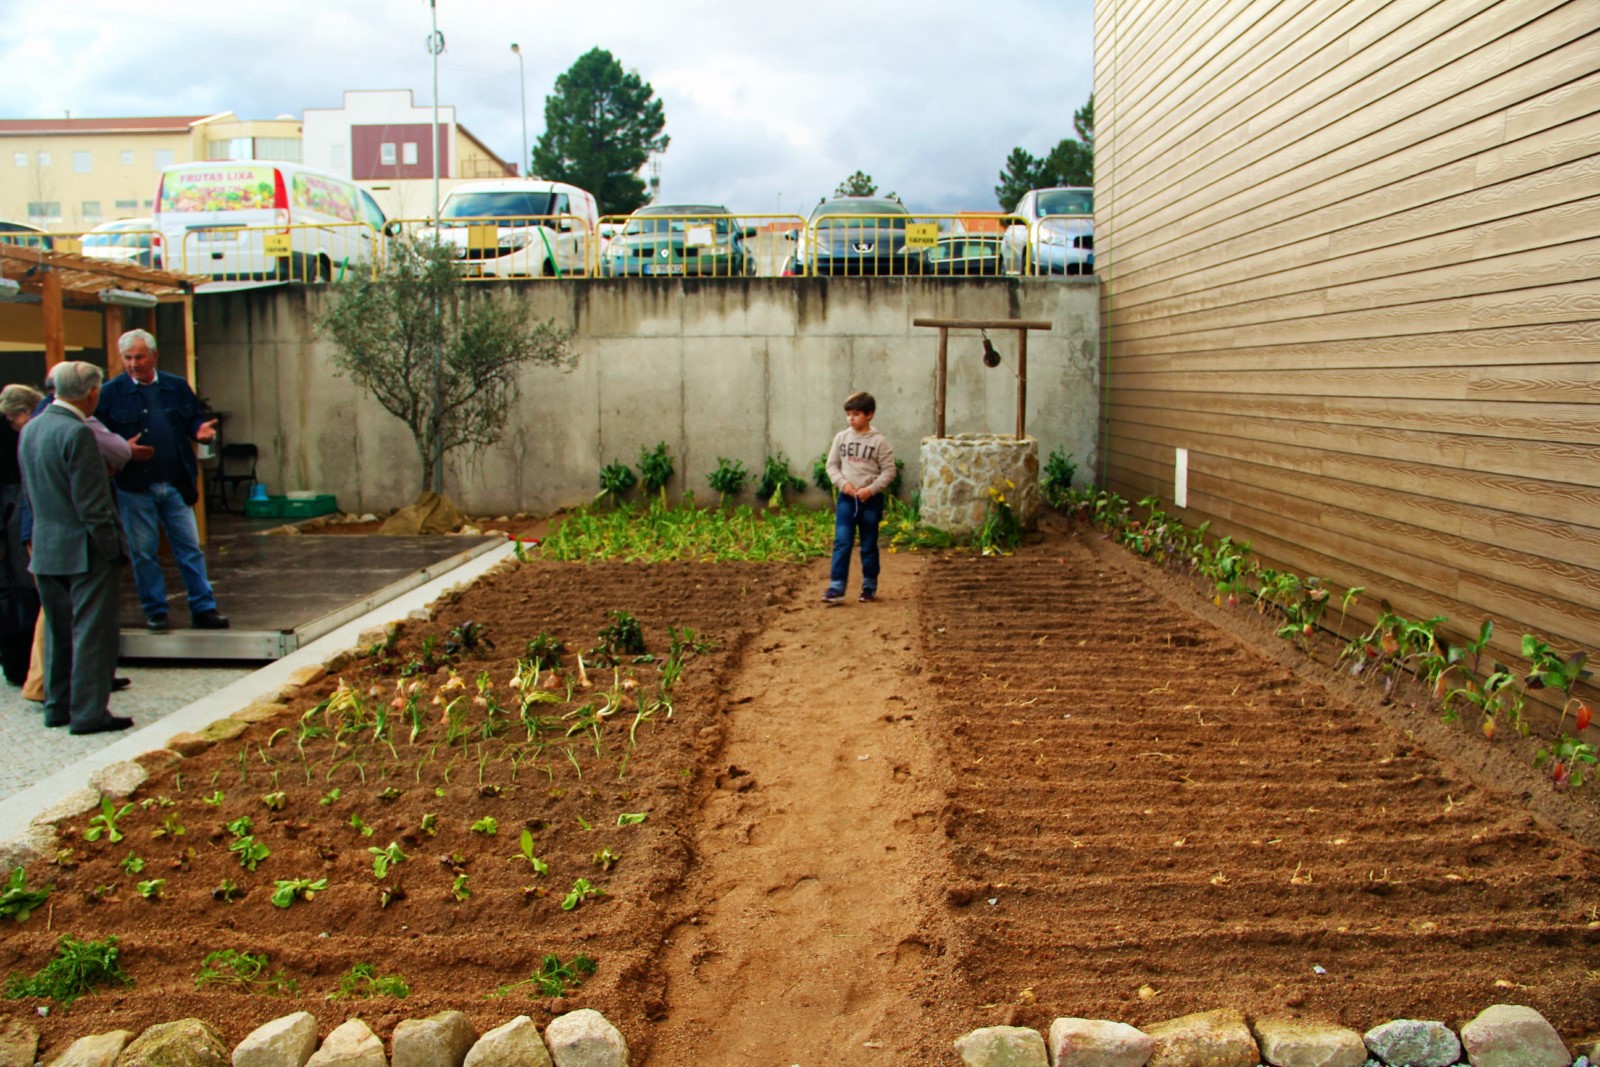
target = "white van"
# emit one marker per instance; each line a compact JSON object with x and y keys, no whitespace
{"x":518,"y":227}
{"x":256,"y":220}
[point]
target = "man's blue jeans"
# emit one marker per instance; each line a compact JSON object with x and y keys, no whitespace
{"x":852,"y":517}
{"x":144,"y":517}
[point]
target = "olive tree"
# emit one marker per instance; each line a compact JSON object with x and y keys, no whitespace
{"x":437,"y":353}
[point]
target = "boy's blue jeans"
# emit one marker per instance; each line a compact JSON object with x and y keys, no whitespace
{"x":852,"y":517}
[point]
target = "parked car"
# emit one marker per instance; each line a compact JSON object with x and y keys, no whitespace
{"x":962,"y":255}
{"x":20,"y":233}
{"x":680,"y":239}
{"x":227,"y":219}
{"x":539,"y":228}
{"x":1056,"y":234}
{"x":857,"y":235}
{"x":125,"y":241}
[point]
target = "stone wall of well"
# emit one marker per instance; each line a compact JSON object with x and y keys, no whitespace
{"x":959,"y":471}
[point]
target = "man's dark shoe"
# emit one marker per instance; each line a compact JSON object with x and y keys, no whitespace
{"x":54,"y":723}
{"x":119,"y":684}
{"x":110,"y":722}
{"x":211,"y":620}
{"x":156,"y":624}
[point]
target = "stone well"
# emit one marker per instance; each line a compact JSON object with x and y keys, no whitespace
{"x":959,"y":471}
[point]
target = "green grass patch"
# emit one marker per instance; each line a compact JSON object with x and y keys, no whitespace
{"x":654,"y":532}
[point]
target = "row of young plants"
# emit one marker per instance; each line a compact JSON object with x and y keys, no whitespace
{"x":1395,"y":652}
{"x":729,"y":480}
{"x":408,"y":724}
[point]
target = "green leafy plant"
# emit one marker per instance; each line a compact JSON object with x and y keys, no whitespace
{"x":1568,"y":757}
{"x":430,"y":824}
{"x":151,"y":890}
{"x":632,"y":818}
{"x":459,"y":891}
{"x":819,"y":474}
{"x":362,"y":980}
{"x":215,"y":799}
{"x":616,"y":478}
{"x":581,"y":891}
{"x":251,"y":852}
{"x":329,"y":797}
{"x":606,"y":859}
{"x":488,"y":826}
{"x":275,"y":801}
{"x":729,"y":479}
{"x":554,"y":978}
{"x":355,"y":823}
{"x":655,"y":469}
{"x":240,"y":826}
{"x":170,"y":827}
{"x":623,"y":637}
{"x":775,"y":479}
{"x":527,"y":854}
{"x":247,"y":972}
{"x":227,"y":892}
{"x":288,"y":890}
{"x":17,"y":901}
{"x":132,"y":864}
{"x":385,"y":858}
{"x":105,"y":823}
{"x":1055,"y":481}
{"x":78,"y":967}
{"x":1001,"y":530}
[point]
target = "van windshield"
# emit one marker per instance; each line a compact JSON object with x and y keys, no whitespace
{"x":496,"y":206}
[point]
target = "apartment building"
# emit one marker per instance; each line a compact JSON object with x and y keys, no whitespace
{"x":381,"y":139}
{"x":72,"y":174}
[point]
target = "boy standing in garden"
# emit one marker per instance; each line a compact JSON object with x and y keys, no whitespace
{"x":861,"y":468}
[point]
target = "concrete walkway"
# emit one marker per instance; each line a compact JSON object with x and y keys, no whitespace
{"x":41,"y":766}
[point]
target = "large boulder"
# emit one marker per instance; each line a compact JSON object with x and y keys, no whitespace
{"x":1305,"y":1043}
{"x":1002,"y":1046}
{"x":1218,"y":1038}
{"x":96,"y":1050}
{"x":441,"y":1040}
{"x":516,"y":1044}
{"x":284,"y":1042}
{"x":1510,"y":1035}
{"x":351,"y":1044}
{"x":1098,"y":1043}
{"x":184,"y":1043}
{"x":585,"y":1038}
{"x":1414,"y":1042}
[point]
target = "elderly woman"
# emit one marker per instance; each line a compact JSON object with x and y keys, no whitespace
{"x":19,"y":598}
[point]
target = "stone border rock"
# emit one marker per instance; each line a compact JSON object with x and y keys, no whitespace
{"x":1502,"y":1035}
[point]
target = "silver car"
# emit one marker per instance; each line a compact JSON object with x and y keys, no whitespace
{"x":1054,"y":233}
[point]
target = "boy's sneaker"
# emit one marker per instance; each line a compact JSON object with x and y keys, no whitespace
{"x":833,"y":596}
{"x":868,"y":596}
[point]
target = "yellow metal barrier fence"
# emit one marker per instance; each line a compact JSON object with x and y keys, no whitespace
{"x":510,"y":246}
{"x":300,"y":252}
{"x":665,"y":243}
{"x":969,"y":244}
{"x":1055,"y":244}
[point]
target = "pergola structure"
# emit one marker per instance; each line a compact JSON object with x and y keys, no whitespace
{"x":67,"y":281}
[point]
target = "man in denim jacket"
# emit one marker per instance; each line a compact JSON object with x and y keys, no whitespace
{"x":158,"y":494}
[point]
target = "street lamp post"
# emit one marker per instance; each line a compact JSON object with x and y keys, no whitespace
{"x":522,"y":83}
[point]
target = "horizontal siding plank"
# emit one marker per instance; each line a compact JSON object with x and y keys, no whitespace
{"x":1576,"y":464}
{"x":1574,"y":424}
{"x":1549,"y":344}
{"x":1551,"y":383}
{"x":1562,"y":511}
{"x":1558,"y":547}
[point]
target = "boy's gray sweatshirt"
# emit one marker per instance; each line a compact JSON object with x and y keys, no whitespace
{"x":862,"y":459}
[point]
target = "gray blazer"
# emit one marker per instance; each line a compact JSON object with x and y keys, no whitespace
{"x":74,"y":515}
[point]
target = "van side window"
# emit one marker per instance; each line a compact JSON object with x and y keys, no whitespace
{"x":561,"y":206}
{"x":371,"y":211}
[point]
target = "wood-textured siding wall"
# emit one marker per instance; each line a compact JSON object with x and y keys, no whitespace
{"x":1350,"y":259}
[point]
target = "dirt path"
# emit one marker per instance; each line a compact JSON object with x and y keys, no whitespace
{"x":806,"y":923}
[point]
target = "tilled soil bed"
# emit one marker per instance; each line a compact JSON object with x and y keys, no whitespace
{"x":1091,"y":797}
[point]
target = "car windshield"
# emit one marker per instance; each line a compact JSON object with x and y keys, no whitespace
{"x":677,"y":219}
{"x":860,"y":207}
{"x":496,"y":206}
{"x":1066,"y":202}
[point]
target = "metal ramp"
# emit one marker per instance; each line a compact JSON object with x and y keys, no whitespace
{"x":281,"y":592}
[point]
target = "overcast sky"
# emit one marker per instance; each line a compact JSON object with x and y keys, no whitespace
{"x":767,"y":104}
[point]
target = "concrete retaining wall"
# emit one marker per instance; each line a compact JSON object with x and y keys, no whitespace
{"x":736,"y":368}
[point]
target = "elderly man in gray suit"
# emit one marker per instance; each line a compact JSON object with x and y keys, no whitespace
{"x":78,"y":553}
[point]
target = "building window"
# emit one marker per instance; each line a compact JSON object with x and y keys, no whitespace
{"x":234,"y":148}
{"x":127,"y":157}
{"x":91,"y":209}
{"x":20,"y":158}
{"x":386,"y":153}
{"x":44,"y":159}
{"x":127,"y":207}
{"x":408,"y":153}
{"x":45,"y":211}
{"x":280,"y":149}
{"x":148,"y":204}
{"x":82,"y":162}
{"x":163,"y":158}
